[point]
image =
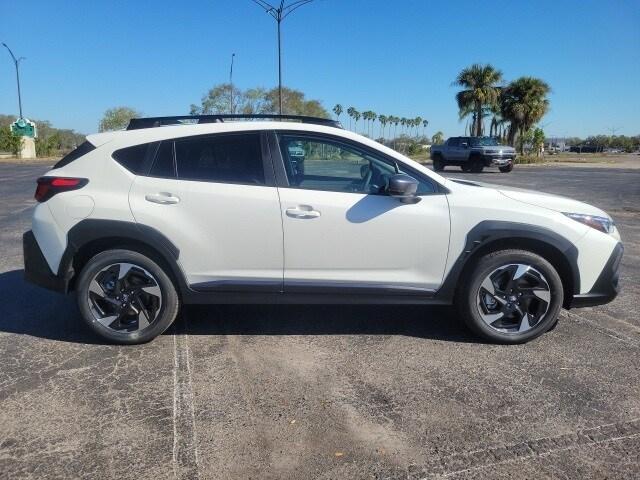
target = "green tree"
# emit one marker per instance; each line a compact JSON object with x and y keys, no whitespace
{"x":481,"y":90}
{"x":538,"y":140}
{"x":350,"y":112}
{"x":256,"y":101}
{"x":117,"y":118}
{"x":523,"y":103}
{"x":438,"y":138}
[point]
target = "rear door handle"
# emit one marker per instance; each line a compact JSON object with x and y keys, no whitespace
{"x":163,"y":198}
{"x":302,"y":211}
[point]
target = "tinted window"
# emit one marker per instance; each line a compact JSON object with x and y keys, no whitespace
{"x":221,"y":158}
{"x":163,"y":165}
{"x":330,"y":165}
{"x":132,"y":158}
{"x":453,"y":142}
{"x":82,"y":149}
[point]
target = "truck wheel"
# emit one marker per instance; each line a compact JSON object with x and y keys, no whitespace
{"x":476,"y":165}
{"x":507,"y":168}
{"x":510,"y":296}
{"x":438,"y":164}
{"x":466,"y":167}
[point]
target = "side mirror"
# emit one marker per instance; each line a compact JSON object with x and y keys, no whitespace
{"x":403,"y":187}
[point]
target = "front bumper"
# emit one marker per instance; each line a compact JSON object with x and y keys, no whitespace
{"x":36,"y":268}
{"x":606,"y":287}
{"x":498,"y":160}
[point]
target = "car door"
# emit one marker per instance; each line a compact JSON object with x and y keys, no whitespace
{"x":343,"y":233}
{"x":454,"y":150}
{"x":213,"y":198}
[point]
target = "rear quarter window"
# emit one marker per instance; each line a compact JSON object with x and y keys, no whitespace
{"x":81,"y":150}
{"x":133,"y":158}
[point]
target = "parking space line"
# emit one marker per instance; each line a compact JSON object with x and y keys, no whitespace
{"x":185,"y":449}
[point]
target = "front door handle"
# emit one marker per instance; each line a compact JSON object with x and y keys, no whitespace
{"x":302,"y":211}
{"x":163,"y":198}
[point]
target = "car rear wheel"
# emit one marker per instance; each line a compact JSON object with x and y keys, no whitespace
{"x":511,"y":296}
{"x":465,"y":167}
{"x":125,"y":297}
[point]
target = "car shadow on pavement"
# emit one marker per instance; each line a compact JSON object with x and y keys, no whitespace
{"x":31,"y":310}
{"x":34,"y":311}
{"x":438,"y":323}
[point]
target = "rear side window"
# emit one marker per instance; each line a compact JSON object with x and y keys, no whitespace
{"x":133,"y":158}
{"x":453,"y":142}
{"x":221,"y":158}
{"x":82,"y":149}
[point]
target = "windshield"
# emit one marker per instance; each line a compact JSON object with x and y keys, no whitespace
{"x":484,"y":142}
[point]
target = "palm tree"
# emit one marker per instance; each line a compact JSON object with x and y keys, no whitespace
{"x":481,"y":89}
{"x":383,"y":119}
{"x":523,"y":103}
{"x":356,"y":117}
{"x":350,"y":111}
{"x":424,"y":125}
{"x":372,"y":116}
{"x":337,"y":110}
{"x":416,"y":123}
{"x":437,"y":138}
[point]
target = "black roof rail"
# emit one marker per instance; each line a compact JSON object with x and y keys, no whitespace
{"x":151,"y":122}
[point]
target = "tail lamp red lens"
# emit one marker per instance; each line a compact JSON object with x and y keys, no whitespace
{"x":50,"y":186}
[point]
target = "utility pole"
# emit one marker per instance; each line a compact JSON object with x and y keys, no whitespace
{"x":16,"y":61}
{"x":231,"y":82}
{"x":279,"y":14}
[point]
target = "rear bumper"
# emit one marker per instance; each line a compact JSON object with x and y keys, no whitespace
{"x":606,"y":287}
{"x":36,"y":268}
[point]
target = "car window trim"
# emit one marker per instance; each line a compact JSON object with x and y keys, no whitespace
{"x":281,"y":174}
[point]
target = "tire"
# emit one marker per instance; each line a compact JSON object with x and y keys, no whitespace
{"x":438,"y":163}
{"x":114,"y":285}
{"x":510,"y":316}
{"x":506,"y":168}
{"x":465,"y":167}
{"x":476,"y":165}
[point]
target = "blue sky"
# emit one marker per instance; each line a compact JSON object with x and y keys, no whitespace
{"x":394,"y":57}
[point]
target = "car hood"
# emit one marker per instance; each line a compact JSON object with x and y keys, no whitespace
{"x":545,"y":200}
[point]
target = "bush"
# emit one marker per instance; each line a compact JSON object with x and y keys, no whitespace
{"x":527,"y":159}
{"x":9,"y":142}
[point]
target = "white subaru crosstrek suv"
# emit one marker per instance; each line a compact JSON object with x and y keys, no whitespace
{"x":182,"y":210}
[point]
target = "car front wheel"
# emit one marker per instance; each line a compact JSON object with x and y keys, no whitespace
{"x":126,"y":297}
{"x":511,"y":296}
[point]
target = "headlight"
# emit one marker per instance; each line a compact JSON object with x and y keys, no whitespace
{"x":605,"y":225}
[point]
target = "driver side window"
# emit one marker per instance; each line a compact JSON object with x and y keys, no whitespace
{"x":324,"y":164}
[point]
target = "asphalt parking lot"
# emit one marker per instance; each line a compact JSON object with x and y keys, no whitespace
{"x":322,"y":392}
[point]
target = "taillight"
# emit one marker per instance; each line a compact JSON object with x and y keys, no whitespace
{"x":49,"y":186}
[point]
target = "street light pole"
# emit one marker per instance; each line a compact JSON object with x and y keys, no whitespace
{"x":16,"y":61}
{"x":231,"y":82}
{"x":279,"y":14}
